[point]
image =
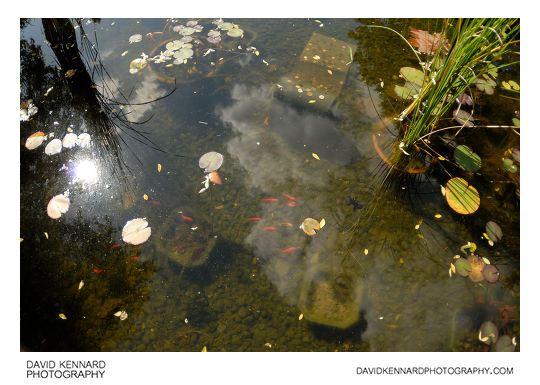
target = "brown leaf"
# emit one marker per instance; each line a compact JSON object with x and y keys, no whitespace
{"x":426,"y":42}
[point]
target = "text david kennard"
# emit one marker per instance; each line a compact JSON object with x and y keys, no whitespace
{"x":65,"y":369}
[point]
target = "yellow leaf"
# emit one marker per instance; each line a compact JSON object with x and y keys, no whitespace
{"x":401,"y":260}
{"x":219,"y":207}
{"x":20,"y":239}
{"x":145,"y":197}
{"x":62,"y":315}
{"x":322,"y":222}
{"x":453,"y":268}
{"x":159,"y":167}
{"x":438,"y":216}
{"x":81,"y":284}
{"x":300,"y":316}
{"x":46,"y":235}
{"x":506,"y":85}
{"x":124,"y":53}
{"x":330,"y":72}
{"x":315,"y":156}
{"x":366,"y":251}
{"x":203,"y":349}
{"x":311,"y":101}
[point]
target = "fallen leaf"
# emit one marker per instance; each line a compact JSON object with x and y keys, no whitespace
{"x":315,"y":156}
{"x":81,"y":284}
{"x":57,"y":206}
{"x":330,"y":72}
{"x":322,"y":222}
{"x":62,"y":315}
{"x":159,"y":167}
{"x":203,"y":349}
{"x":145,"y":197}
{"x":300,"y":316}
{"x":366,"y":251}
{"x":136,"y":231}
{"x":219,"y":207}
{"x":46,"y":235}
{"x":438,"y":216}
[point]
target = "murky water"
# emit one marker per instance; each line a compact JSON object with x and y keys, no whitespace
{"x":229,"y":268}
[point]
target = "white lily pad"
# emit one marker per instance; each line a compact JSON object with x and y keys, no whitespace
{"x":136,"y":231}
{"x":235,"y":32}
{"x":174,"y":45}
{"x":69,"y":140}
{"x":135,"y":38}
{"x":54,"y":147}
{"x":187,"y":31}
{"x":214,"y":39}
{"x":34,"y":140}
{"x":214,"y":33}
{"x":211,"y":161}
{"x":57,"y":206}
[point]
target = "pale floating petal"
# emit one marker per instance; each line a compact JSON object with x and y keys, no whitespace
{"x":322,"y":222}
{"x":117,"y":314}
{"x":54,"y":147}
{"x":69,"y":140}
{"x":83,"y":140}
{"x":57,"y":206}
{"x":81,"y":284}
{"x":211,"y":161}
{"x":34,"y":140}
{"x":136,"y":231}
{"x":315,"y":156}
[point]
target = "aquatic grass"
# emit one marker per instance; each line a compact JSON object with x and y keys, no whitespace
{"x":474,"y":46}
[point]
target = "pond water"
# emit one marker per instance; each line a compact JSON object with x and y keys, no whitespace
{"x":293,"y":105}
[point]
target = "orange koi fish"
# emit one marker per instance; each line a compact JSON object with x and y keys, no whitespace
{"x":288,"y":249}
{"x":270,"y":200}
{"x":99,"y":271}
{"x":115,"y":246}
{"x":269,"y":228}
{"x":215,"y":178}
{"x":254,"y":219}
{"x":186,"y":218}
{"x":289,"y":197}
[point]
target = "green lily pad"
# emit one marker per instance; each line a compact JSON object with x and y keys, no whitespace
{"x":214,"y":33}
{"x":412,"y":75}
{"x":488,"y":333}
{"x":484,"y":85}
{"x":407,"y":91}
{"x":494,"y":231}
{"x":467,"y":159}
{"x":184,"y":53}
{"x":513,"y":84}
{"x":461,"y":197}
{"x":235,"y":32}
{"x":174,"y":45}
{"x":508,"y":165}
{"x":515,"y":121}
{"x":225,"y":26}
{"x":505,"y":344}
{"x":490,"y":273}
{"x":463,"y":267}
{"x":187,"y":31}
{"x":463,"y":118}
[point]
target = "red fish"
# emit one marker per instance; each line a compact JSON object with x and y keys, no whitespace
{"x":289,"y":197}
{"x":154,"y":203}
{"x":99,"y":271}
{"x":269,"y":228}
{"x":254,"y":219}
{"x":270,"y":200}
{"x":186,"y":218}
{"x":292,"y":203}
{"x":135,"y":257}
{"x":288,"y":249}
{"x":115,"y":246}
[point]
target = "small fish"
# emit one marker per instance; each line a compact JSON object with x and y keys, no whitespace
{"x":288,"y":224}
{"x":115,"y":246}
{"x":99,"y":271}
{"x":154,"y":203}
{"x":270,"y":200}
{"x":254,"y":219}
{"x":292,"y":203}
{"x":186,"y":218}
{"x":269,"y":228}
{"x":355,"y":204}
{"x":136,"y":258}
{"x":288,"y":249}
{"x":289,"y":197}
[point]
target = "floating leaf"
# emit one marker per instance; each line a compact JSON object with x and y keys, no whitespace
{"x":310,"y":226}
{"x":513,"y":84}
{"x":81,"y":284}
{"x":515,"y":154}
{"x":485,"y":85}
{"x":467,"y":159}
{"x":490,"y":273}
{"x":464,"y":98}
{"x":136,"y":231}
{"x":461,"y":197}
{"x":211,"y":161}
{"x":463,"y":118}
{"x":54,"y":147}
{"x":62,"y":315}
{"x":183,"y":53}
{"x":57,"y":206}
{"x":136,"y":65}
{"x":69,"y":140}
{"x":315,"y":156}
{"x":174,"y":45}
{"x":462,"y":266}
{"x":488,"y":333}
{"x":214,"y":33}
{"x":83,"y":140}
{"x":470,"y":245}
{"x":494,"y":231}
{"x":214,"y":39}
{"x":366,"y":251}
{"x":135,"y":38}
{"x":322,"y":222}
{"x":225,"y":26}
{"x":477,"y":266}
{"x":34,"y":140}
{"x":203,"y":349}
{"x":300,"y":316}
{"x":505,"y":344}
{"x":145,"y":197}
{"x":235,"y":32}
{"x":509,"y":165}
{"x":515,"y":122}
{"x":70,"y":73}
{"x":412,"y":75}
{"x":425,"y":41}
{"x":407,"y":91}
{"x":159,"y":167}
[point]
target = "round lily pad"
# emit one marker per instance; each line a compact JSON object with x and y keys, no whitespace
{"x":214,"y":33}
{"x":235,"y":32}
{"x":136,"y":65}
{"x":198,"y":28}
{"x":183,"y":53}
{"x":174,"y":45}
{"x":467,"y":159}
{"x":461,"y":197}
{"x":494,"y":231}
{"x":406,"y":91}
{"x":412,"y":75}
{"x":135,"y":38}
{"x":35,"y":140}
{"x":186,"y":39}
{"x":211,"y":161}
{"x":505,"y":344}
{"x":191,"y":23}
{"x":225,"y":26}
{"x":187,"y":31}
{"x":310,"y":226}
{"x":462,"y":266}
{"x":177,"y":28}
{"x":509,"y":165}
{"x":488,"y":333}
{"x":214,"y":39}
{"x":490,"y":273}
{"x":463,"y":118}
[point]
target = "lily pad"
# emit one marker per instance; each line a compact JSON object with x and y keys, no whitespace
{"x":54,"y":147}
{"x":463,"y":118}
{"x":83,"y":140}
{"x":516,"y":154}
{"x":57,"y":206}
{"x":462,"y":266}
{"x":183,"y":53}
{"x":136,"y":231}
{"x":464,"y":98}
{"x":488,"y":333}
{"x":186,"y":39}
{"x":174,"y":45}
{"x":490,"y":273}
{"x":407,"y":91}
{"x":187,"y":31}
{"x":477,"y":266}
{"x":135,"y":38}
{"x":136,"y":65}
{"x":494,"y":231}
{"x":69,"y":140}
{"x":467,"y":159}
{"x":214,"y":33}
{"x":412,"y":75}
{"x":235,"y":32}
{"x":211,"y":161}
{"x":225,"y":26}
{"x":461,"y":197}
{"x":509,"y":165}
{"x":310,"y":226}
{"x":485,"y":85}
{"x":214,"y":39}
{"x":505,"y":344}
{"x":192,"y":23}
